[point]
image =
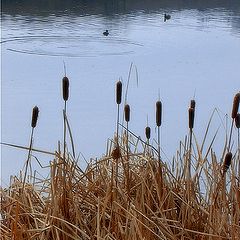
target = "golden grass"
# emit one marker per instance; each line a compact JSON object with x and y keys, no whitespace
{"x":142,"y":204}
{"x":130,"y":193}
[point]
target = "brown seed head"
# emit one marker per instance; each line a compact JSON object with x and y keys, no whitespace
{"x":119,"y":92}
{"x":148,"y":132}
{"x":35,"y":112}
{"x":158,"y":113}
{"x":127,"y":112}
{"x":227,"y":162}
{"x":65,"y":88}
{"x":236,"y":101}
{"x":191,"y":118}
{"x":193,"y":104}
{"x":237,"y":120}
{"x":116,"y":153}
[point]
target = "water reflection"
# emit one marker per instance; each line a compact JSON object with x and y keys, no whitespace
{"x":61,"y":28}
{"x":111,"y":7}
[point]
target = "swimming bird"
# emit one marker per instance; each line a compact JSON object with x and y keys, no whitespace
{"x":106,"y":33}
{"x":166,"y":17}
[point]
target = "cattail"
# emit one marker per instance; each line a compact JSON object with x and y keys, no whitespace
{"x":127,"y":112}
{"x":148,"y":132}
{"x":236,"y":101}
{"x":193,"y":104}
{"x":191,"y":118}
{"x":119,"y":92}
{"x":158,"y":113}
{"x":237,"y":120}
{"x":35,"y":112}
{"x":65,"y":88}
{"x":227,"y":162}
{"x":116,"y":153}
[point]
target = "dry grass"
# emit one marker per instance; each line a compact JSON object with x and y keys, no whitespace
{"x":72,"y":204}
{"x":128,"y":194}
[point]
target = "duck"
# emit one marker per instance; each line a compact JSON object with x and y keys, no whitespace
{"x":106,"y":33}
{"x":166,"y":17}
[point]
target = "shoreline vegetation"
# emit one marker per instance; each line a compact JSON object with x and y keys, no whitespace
{"x":130,"y":193}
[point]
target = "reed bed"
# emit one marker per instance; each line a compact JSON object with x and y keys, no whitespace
{"x":130,"y":193}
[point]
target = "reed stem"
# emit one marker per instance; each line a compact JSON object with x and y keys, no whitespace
{"x":28,"y":157}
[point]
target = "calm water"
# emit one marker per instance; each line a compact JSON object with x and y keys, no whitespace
{"x":196,"y":52}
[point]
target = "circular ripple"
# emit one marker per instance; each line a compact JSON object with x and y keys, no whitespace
{"x":76,"y":46}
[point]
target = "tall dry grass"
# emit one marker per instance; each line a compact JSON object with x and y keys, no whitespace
{"x":127,"y":194}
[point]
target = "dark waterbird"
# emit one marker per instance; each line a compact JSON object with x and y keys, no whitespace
{"x":106,"y":33}
{"x":166,"y":17}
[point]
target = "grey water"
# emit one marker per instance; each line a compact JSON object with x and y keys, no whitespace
{"x":194,"y":54}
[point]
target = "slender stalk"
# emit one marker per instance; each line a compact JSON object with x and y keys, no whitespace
{"x":190,"y":154}
{"x":230,"y":136}
{"x":159,"y":149}
{"x":191,"y":115}
{"x":158,"y":123}
{"x":29,"y":157}
{"x":117,"y":143}
{"x":117,"y":124}
{"x":35,"y":112}
{"x":64,"y":131}
{"x":238,"y":155}
{"x":118,"y":101}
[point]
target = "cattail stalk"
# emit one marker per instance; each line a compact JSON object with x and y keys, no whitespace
{"x":127,"y":119}
{"x":235,"y":107}
{"x":118,"y":101}
{"x":35,"y":113}
{"x":237,"y":123}
{"x":191,"y":116}
{"x":158,"y":123}
{"x":65,"y":92}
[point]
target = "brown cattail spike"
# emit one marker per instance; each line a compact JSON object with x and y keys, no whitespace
{"x":193,"y":104}
{"x":65,"y":88}
{"x":35,"y":112}
{"x":127,"y":112}
{"x":227,"y":162}
{"x":237,"y":120}
{"x":236,"y":101}
{"x":191,"y":118}
{"x":158,"y":113}
{"x":119,"y":92}
{"x":148,"y":132}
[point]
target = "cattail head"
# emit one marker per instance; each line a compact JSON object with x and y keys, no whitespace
{"x":119,"y":92}
{"x":237,"y":120}
{"x":158,"y":113}
{"x":65,"y":88}
{"x":227,"y":162}
{"x":192,"y":104}
{"x":35,"y":112}
{"x":236,"y":101}
{"x":116,"y":153}
{"x":127,"y":112}
{"x":148,"y":132}
{"x":191,"y":118}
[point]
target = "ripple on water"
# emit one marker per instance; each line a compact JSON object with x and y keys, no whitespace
{"x":75,"y":46}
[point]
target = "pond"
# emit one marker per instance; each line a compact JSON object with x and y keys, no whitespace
{"x":194,"y":54}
